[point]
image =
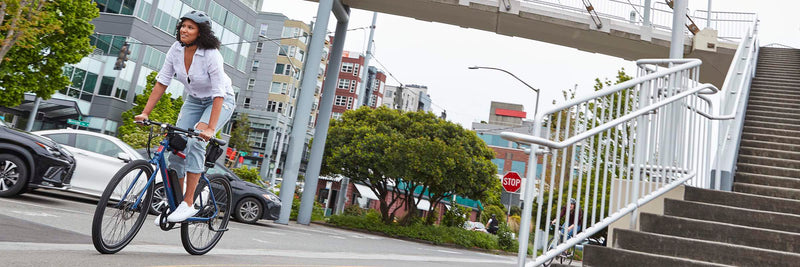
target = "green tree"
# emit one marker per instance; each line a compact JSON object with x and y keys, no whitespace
{"x":166,"y":110}
{"x":239,"y":133}
{"x":383,"y":148}
{"x":49,"y":35}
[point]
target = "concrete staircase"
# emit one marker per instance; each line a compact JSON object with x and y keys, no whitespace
{"x":758,"y":224}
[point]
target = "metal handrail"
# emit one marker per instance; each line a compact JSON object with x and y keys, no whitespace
{"x":529,"y":139}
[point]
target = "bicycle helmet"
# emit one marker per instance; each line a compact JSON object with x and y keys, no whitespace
{"x":572,"y":201}
{"x":197,"y":16}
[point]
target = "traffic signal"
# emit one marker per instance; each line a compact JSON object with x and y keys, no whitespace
{"x":124,"y":51}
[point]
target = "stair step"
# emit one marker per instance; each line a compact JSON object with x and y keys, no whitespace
{"x":733,"y":215}
{"x":763,"y":69}
{"x":770,"y":131}
{"x":769,"y":124}
{"x":773,"y":103}
{"x":787,"y":82}
{"x":768,"y":180}
{"x":772,"y":115}
{"x":768,"y":170}
{"x":605,"y":256}
{"x":788,"y":63}
{"x":742,"y":200}
{"x":774,"y":87}
{"x":767,"y":93}
{"x":701,"y":250}
{"x":765,"y":190}
{"x":770,"y":108}
{"x":720,"y":232}
{"x":766,"y":161}
{"x":772,"y":98}
{"x":770,"y":145}
{"x":767,"y":74}
{"x":768,"y":153}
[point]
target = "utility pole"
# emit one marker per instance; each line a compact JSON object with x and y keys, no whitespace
{"x":363,"y":100}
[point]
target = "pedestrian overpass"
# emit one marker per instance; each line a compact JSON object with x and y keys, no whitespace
{"x":616,"y":28}
{"x":630,"y":146}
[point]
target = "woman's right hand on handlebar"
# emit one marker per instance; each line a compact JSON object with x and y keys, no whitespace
{"x":140,"y":118}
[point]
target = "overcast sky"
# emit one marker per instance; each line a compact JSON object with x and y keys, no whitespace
{"x":437,"y":55}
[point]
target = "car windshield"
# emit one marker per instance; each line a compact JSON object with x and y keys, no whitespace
{"x":219,"y":169}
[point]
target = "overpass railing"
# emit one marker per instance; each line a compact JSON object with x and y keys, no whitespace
{"x":642,"y":137}
{"x":730,"y":26}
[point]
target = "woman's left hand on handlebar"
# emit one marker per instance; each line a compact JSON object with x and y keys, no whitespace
{"x":207,"y":134}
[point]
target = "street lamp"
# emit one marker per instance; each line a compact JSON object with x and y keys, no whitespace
{"x":536,"y":109}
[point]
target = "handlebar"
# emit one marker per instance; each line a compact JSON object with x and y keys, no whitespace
{"x":189,"y":132}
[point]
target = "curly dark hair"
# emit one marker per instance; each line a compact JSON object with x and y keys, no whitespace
{"x":205,"y":36}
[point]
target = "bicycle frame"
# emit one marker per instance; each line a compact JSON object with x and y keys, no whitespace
{"x":161,"y":166}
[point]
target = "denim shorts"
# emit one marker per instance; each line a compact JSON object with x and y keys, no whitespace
{"x":194,"y":111}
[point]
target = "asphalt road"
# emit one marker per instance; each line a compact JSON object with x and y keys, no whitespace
{"x":51,"y":228}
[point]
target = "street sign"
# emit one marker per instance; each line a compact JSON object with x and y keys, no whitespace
{"x":511,"y":182}
{"x":77,"y":122}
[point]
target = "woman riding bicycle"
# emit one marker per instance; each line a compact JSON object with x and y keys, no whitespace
{"x":194,"y":59}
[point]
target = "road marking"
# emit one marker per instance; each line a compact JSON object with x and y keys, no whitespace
{"x":448,"y":251}
{"x":261,"y":241}
{"x":337,"y":255}
{"x":35,"y":214}
{"x":336,"y":236}
{"x":46,"y":207}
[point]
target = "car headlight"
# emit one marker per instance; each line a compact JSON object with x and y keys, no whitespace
{"x":272,"y":198}
{"x":52,"y":150}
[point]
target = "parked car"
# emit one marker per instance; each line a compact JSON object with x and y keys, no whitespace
{"x":31,"y":161}
{"x":98,"y":157}
{"x":250,"y":201}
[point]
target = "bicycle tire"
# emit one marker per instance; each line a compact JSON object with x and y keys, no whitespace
{"x":571,"y":252}
{"x":112,"y":211}
{"x":551,"y":244}
{"x":197,"y":237}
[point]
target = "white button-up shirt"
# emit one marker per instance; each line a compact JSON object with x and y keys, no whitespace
{"x":206,"y":76}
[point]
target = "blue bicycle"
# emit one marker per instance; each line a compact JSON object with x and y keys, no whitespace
{"x":125,"y":202}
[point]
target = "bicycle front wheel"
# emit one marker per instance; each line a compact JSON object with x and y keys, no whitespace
{"x":118,"y":218}
{"x":199,"y":237}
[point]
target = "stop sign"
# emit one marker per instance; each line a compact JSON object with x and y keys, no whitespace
{"x":511,"y":182}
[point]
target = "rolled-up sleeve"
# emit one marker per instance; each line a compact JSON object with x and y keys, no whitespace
{"x":216,"y":73}
{"x":168,"y":70}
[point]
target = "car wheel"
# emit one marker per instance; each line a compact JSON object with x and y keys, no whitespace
{"x":13,"y":175}
{"x":159,"y":199}
{"x":249,"y":210}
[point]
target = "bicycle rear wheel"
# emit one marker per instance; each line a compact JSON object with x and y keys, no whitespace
{"x":199,"y":238}
{"x":116,"y":221}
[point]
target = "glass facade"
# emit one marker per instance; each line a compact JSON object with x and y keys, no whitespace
{"x":124,"y":7}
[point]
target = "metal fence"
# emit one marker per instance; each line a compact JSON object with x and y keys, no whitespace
{"x":643,"y":137}
{"x":621,"y":147}
{"x":730,"y":26}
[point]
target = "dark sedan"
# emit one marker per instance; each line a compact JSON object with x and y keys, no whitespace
{"x":250,"y":201}
{"x":31,"y":161}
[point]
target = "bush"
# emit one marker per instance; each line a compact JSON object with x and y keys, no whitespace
{"x":353,"y":210}
{"x":505,"y":239}
{"x":496,"y":210}
{"x":455,"y":216}
{"x":317,"y":211}
{"x":247,"y":174}
{"x":435,"y":234}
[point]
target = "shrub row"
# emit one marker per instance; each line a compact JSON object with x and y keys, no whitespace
{"x":371,"y":221}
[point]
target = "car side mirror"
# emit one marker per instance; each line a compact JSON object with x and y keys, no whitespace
{"x":124,"y":157}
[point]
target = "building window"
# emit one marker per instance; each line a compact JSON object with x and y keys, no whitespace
{"x":347,"y":67}
{"x":251,"y":84}
{"x":279,"y":88}
{"x":116,"y":6}
{"x":255,"y":65}
{"x":343,"y":84}
{"x":349,"y":103}
{"x":336,"y":115}
{"x":352,"y":86}
{"x":280,"y":107}
{"x":271,"y":106}
{"x":259,"y":47}
{"x":355,"y":70}
{"x":340,"y":100}
{"x":263,"y":30}
{"x":283,"y":69}
{"x":246,"y":102}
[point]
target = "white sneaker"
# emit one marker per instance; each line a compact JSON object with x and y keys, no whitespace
{"x":182,"y":213}
{"x":157,"y":220}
